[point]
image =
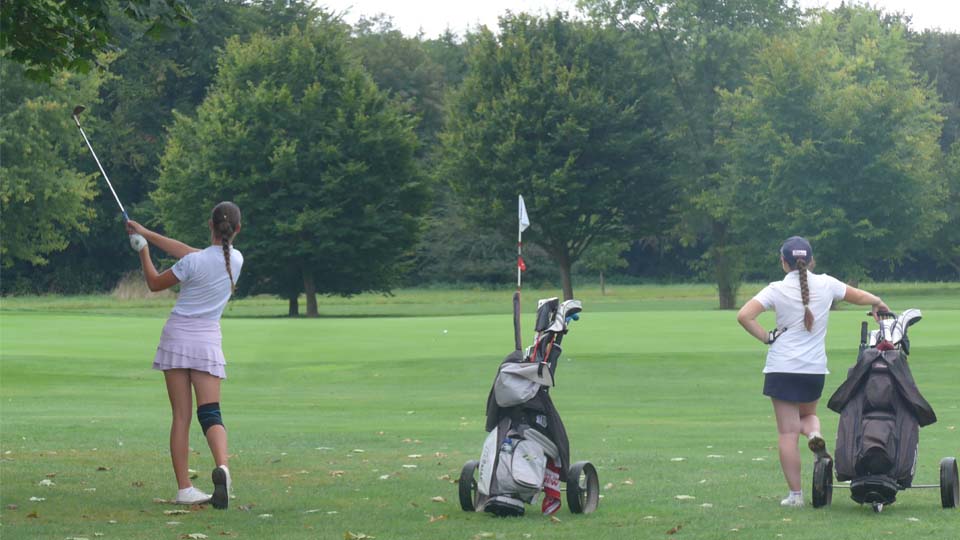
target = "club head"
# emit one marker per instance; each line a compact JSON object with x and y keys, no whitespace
{"x":78,"y":109}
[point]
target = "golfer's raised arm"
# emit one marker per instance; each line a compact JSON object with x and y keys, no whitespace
{"x":174,"y":248}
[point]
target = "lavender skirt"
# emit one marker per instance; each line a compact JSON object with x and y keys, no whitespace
{"x":191,"y":343}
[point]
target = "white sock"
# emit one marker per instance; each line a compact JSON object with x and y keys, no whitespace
{"x":796,"y":494}
{"x":814,"y":434}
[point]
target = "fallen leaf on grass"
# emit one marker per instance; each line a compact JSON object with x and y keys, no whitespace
{"x":246,"y":507}
{"x":265,"y":516}
{"x":193,"y":474}
{"x":912,"y":519}
{"x":358,"y":450}
{"x":158,"y":500}
{"x":194,"y":536}
{"x":609,"y":485}
{"x":440,"y":455}
{"x":177,"y":512}
{"x":678,"y":459}
{"x":554,"y":519}
{"x":38,"y":499}
{"x":12,"y":507}
{"x":102,"y":468}
{"x":46,"y":482}
{"x":649,"y":517}
{"x":77,"y":538}
{"x":415,"y":456}
{"x":483,"y":535}
{"x":675,"y":530}
{"x":311,"y":511}
{"x":356,"y":536}
{"x":628,"y":482}
{"x":384,"y":477}
{"x":337,"y":474}
{"x":33,"y":514}
{"x":409,"y":466}
{"x":227,"y":533}
{"x":137,"y":484}
{"x":706,"y":505}
{"x":51,"y":475}
{"x":445,"y":478}
{"x":714,"y":456}
{"x":441,"y":517}
{"x":438,"y":499}
{"x":173,"y":523}
{"x":684,"y":497}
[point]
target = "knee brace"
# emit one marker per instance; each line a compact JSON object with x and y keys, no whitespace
{"x":209,"y":415}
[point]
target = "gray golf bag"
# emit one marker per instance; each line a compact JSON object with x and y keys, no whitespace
{"x":881,"y":411}
{"x":525,"y":430}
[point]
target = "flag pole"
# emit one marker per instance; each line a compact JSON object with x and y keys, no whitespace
{"x":522,"y":223}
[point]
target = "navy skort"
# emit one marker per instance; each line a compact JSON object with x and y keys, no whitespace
{"x":795,"y":387}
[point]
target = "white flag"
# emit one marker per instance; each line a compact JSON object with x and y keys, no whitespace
{"x":524,"y":220}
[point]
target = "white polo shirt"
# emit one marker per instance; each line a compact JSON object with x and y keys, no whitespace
{"x":797,"y":350}
{"x":204,"y":282}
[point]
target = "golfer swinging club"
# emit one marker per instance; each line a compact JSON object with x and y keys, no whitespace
{"x":189,"y":353}
{"x":796,"y":360}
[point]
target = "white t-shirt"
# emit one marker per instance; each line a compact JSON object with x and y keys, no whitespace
{"x":204,"y":282}
{"x":797,"y":350}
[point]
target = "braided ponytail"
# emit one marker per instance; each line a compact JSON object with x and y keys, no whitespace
{"x":805,"y":293}
{"x":226,"y":219}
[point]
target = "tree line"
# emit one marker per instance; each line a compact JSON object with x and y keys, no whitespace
{"x":651,"y":139}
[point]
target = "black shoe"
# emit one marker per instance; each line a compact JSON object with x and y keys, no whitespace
{"x":221,"y":488}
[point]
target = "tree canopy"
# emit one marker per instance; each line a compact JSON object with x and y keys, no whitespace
{"x":560,"y":112}
{"x":320,"y":161}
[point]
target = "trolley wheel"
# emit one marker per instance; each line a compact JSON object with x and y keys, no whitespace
{"x":469,"y":496}
{"x":877,"y":507}
{"x":822,"y":482}
{"x":949,"y":483}
{"x":583,"y":488}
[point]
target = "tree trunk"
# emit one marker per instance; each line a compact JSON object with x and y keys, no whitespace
{"x":564,"y":260}
{"x":293,"y":309}
{"x":310,"y":288}
{"x":728,"y":295}
{"x":603,"y":290}
{"x":724,"y":268}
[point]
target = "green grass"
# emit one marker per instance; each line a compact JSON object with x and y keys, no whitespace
{"x":649,"y":374}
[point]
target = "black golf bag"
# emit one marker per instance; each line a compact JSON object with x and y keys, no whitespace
{"x":881,"y":411}
{"x":525,"y":429}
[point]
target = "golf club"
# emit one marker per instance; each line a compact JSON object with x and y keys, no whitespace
{"x":76,"y":112}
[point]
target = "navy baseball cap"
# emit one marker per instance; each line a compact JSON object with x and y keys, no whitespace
{"x":796,"y":248}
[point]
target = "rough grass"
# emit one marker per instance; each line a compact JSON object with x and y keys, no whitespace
{"x":327,"y":418}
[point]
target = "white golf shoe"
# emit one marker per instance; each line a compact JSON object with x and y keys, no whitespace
{"x":792,"y":501}
{"x":191,"y":495}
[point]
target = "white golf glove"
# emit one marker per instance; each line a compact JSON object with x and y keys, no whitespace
{"x":137,"y":242}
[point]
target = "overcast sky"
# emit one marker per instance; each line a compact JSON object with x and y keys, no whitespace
{"x":434,"y":16}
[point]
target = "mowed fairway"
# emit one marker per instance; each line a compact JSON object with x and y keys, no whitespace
{"x":359,"y":423}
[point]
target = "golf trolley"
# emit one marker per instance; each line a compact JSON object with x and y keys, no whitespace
{"x":881,"y":411}
{"x":527,"y":451}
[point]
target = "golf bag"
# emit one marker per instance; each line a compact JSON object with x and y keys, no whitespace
{"x":881,"y":411}
{"x":525,"y":429}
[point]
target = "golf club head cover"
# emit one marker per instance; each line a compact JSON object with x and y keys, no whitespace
{"x":137,"y":242}
{"x":774,"y":334}
{"x":209,"y":415}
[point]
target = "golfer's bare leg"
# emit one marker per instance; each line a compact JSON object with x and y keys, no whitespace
{"x":181,"y":405}
{"x":207,"y":387}
{"x":788,"y":430}
{"x":809,"y":421}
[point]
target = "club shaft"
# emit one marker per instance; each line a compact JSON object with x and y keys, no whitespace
{"x":103,"y":172}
